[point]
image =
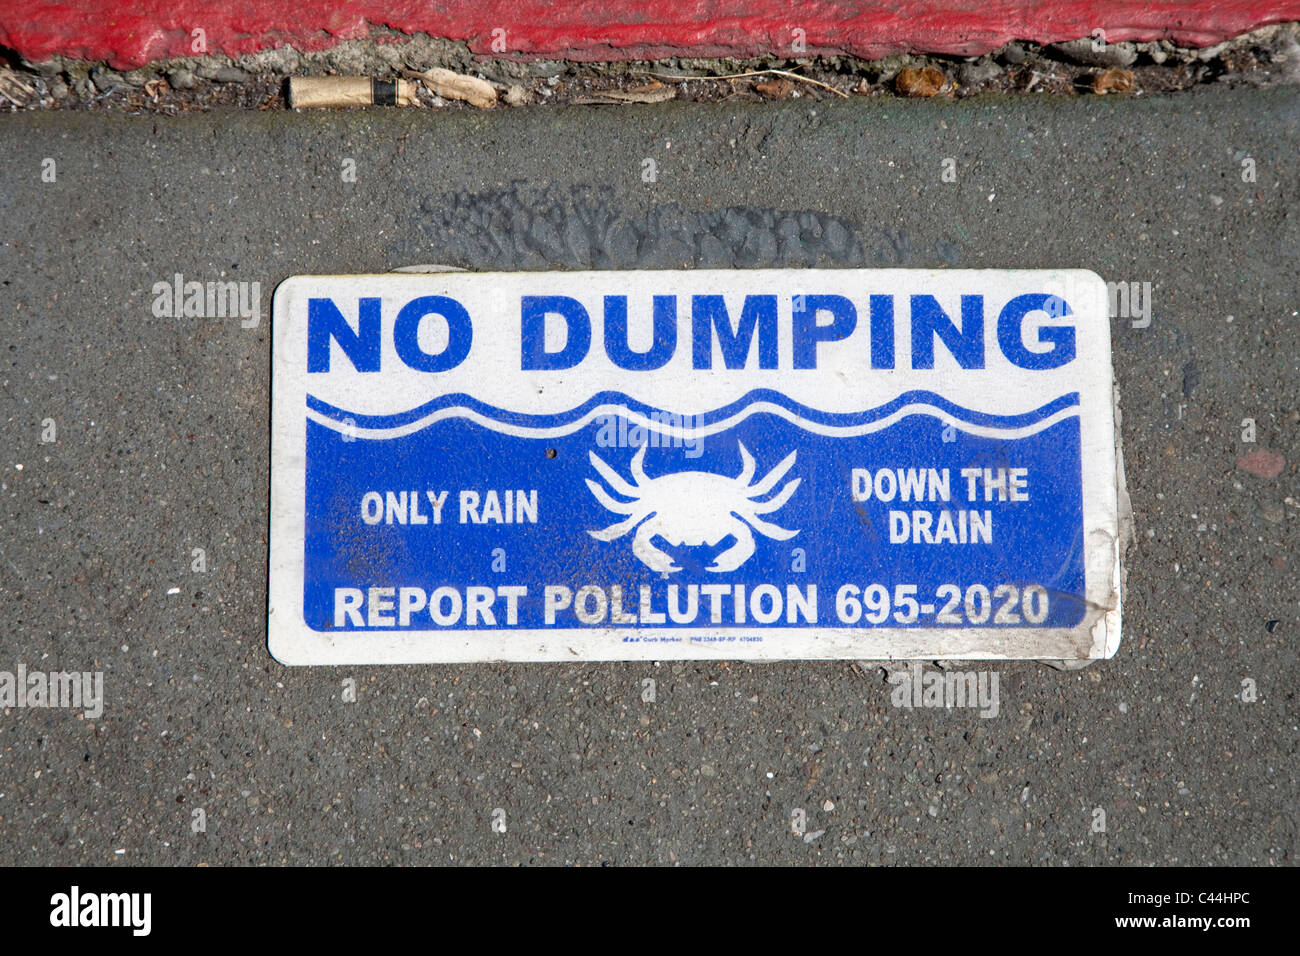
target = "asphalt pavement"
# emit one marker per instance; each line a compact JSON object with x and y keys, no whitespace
{"x":161,"y":446}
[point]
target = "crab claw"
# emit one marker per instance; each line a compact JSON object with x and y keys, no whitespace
{"x":738,"y":553}
{"x":651,"y":556}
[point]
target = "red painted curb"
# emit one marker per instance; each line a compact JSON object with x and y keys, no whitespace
{"x":616,"y":29}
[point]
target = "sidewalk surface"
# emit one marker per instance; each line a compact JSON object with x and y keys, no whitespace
{"x":163,"y":447}
{"x":616,"y":29}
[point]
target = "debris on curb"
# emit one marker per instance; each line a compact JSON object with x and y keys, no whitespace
{"x":984,"y":70}
{"x":182,"y":79}
{"x":1268,"y":57}
{"x":457,"y":86}
{"x":777,"y":89}
{"x":228,"y":74}
{"x":752,"y":73}
{"x":13,"y":89}
{"x":1113,"y":80}
{"x":654,"y":92}
{"x":320,"y":92}
{"x":927,"y":81}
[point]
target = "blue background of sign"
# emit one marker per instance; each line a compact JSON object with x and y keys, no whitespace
{"x":1038,"y":541}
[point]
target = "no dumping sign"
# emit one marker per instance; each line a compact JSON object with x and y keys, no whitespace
{"x":762,"y":464}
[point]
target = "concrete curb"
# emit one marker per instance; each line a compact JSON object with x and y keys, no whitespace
{"x":153,"y":30}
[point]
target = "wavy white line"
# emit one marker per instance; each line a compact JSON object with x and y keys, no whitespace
{"x":557,"y":431}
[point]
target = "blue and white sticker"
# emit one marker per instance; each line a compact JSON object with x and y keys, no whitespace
{"x":765,"y":464}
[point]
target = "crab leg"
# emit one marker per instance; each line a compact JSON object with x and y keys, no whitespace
{"x":638,"y":467}
{"x":747,"y":465}
{"x":618,"y":507}
{"x":772,"y":477}
{"x":764,"y":507}
{"x":615,"y":480}
{"x":769,"y":529}
{"x":620,"y":529}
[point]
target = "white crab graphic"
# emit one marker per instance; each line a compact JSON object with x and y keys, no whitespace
{"x":693,"y":508}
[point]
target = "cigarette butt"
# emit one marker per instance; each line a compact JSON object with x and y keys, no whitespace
{"x":459,"y":86}
{"x":308,"y":92}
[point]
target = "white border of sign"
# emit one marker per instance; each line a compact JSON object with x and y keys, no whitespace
{"x":292,"y":642}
